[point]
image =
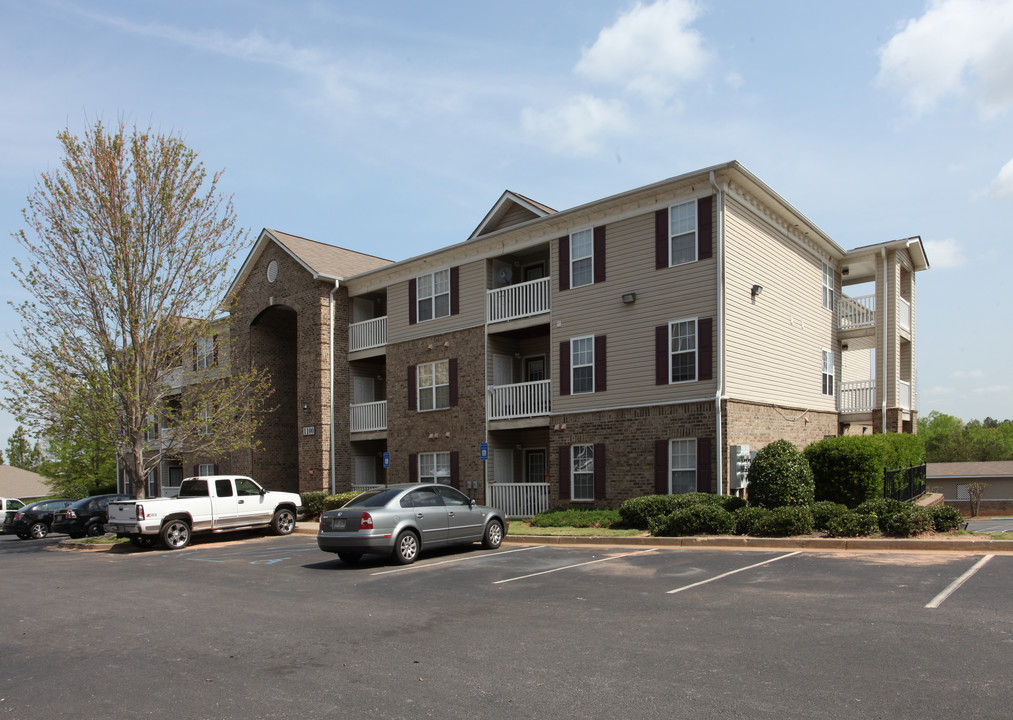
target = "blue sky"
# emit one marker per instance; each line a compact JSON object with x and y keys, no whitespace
{"x":392,"y":127}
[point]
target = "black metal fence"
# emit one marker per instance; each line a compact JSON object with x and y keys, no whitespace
{"x":904,"y":484}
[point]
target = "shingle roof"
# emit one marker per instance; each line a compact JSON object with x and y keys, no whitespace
{"x":993,"y":468}
{"x":22,"y":484}
{"x":327,"y":260}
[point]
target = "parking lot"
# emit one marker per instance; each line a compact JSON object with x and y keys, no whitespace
{"x":261,"y":626}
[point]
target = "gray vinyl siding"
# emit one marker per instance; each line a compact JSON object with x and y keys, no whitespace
{"x":773,"y":345}
{"x":682,"y":292}
{"x":472,"y":297}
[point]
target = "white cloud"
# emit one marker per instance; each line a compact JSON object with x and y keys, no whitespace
{"x":1002,"y":186}
{"x":944,"y":253}
{"x":650,"y":50}
{"x":578,"y":126}
{"x":957,"y":49}
{"x":967,"y":375}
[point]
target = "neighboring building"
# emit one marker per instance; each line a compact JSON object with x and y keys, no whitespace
{"x":628,"y":346}
{"x":23,"y":484}
{"x":952,"y":478}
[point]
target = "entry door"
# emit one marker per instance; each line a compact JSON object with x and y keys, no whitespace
{"x":365,"y":470}
{"x":535,"y":467}
{"x":503,"y":466}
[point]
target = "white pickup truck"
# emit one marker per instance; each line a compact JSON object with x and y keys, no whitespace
{"x":213,"y":503}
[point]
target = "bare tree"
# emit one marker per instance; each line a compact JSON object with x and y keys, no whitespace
{"x":975,"y":490}
{"x":128,"y":250}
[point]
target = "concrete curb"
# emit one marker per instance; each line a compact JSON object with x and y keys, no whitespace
{"x":81,"y":546}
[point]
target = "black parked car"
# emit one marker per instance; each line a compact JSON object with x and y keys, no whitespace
{"x":85,"y":517}
{"x":35,"y":520}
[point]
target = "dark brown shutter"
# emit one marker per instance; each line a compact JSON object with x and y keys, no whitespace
{"x":564,"y":367}
{"x":413,"y":301}
{"x":564,"y":472}
{"x":599,"y":254}
{"x":599,"y":471}
{"x":195,"y":357}
{"x":455,"y":295}
{"x":704,"y":228}
{"x":452,"y":373}
{"x":661,"y":467}
{"x":413,"y":467}
{"x":661,"y":239}
{"x":662,"y":357}
{"x":599,"y":363}
{"x":703,"y":464}
{"x":214,"y":343}
{"x":216,"y":469}
{"x":705,"y":348}
{"x":564,"y":263}
{"x":455,"y":469}
{"x":196,"y":470}
{"x":413,"y":395}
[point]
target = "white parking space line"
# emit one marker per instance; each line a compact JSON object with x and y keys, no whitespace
{"x":568,"y":567}
{"x":423,"y":566}
{"x":731,"y":572}
{"x":938,"y":599}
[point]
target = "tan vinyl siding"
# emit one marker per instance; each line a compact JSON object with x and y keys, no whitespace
{"x":856,"y":366}
{"x":682,"y":292}
{"x":472,"y":293}
{"x":774,"y":343}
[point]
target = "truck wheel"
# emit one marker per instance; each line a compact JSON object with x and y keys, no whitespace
{"x":175,"y":534}
{"x":283,"y":522}
{"x":493,"y":535}
{"x":406,"y":548}
{"x":38,"y":530}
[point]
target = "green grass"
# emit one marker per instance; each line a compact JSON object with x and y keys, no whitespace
{"x":522,"y":527}
{"x":990,"y":536}
{"x":103,"y":541}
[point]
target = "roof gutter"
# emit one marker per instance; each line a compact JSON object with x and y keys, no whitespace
{"x":330,"y":337}
{"x":719,"y":392}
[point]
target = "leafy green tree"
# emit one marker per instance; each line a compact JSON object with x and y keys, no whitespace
{"x":128,"y":249}
{"x":949,"y":439}
{"x":21,"y":452}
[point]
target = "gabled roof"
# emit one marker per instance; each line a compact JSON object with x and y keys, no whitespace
{"x":22,"y":484}
{"x":991,"y":468}
{"x":516,"y":207}
{"x":322,"y":261}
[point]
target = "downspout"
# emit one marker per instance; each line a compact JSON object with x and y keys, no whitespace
{"x":337,"y":284}
{"x":719,"y":392}
{"x":886,"y":287}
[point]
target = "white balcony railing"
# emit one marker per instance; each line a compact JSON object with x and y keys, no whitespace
{"x":520,"y":400}
{"x":368,"y":417}
{"x":519,"y":500}
{"x":521,"y":300}
{"x":858,"y":396}
{"x":904,"y":320}
{"x":904,"y":394}
{"x":857,"y":312}
{"x":367,"y":334}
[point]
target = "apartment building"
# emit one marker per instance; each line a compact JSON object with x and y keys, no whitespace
{"x":636,"y":344}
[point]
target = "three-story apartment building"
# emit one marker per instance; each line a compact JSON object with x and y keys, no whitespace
{"x":636,"y":344}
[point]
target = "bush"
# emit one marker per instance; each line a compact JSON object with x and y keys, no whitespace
{"x":945,"y":518}
{"x":907,"y":523}
{"x":900,"y":450}
{"x":851,"y":524}
{"x":333,"y":502}
{"x":578,"y":518}
{"x":882,"y":508}
{"x":848,"y":469}
{"x":824,"y":511}
{"x":779,"y":475}
{"x":699,"y":519}
{"x":788,"y":520}
{"x":750,"y":520}
{"x":638,"y":512}
{"x":313,"y":501}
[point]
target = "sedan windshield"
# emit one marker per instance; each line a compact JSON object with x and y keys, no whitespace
{"x":374,"y":498}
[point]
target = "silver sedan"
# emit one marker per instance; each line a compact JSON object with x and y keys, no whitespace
{"x":402,"y":520}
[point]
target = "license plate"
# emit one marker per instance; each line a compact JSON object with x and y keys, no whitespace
{"x":339,"y":524}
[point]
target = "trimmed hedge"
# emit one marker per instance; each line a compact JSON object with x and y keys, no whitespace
{"x":313,"y":501}
{"x":577,"y":517}
{"x":787,"y":520}
{"x":847,"y":469}
{"x":945,"y":518}
{"x":824,"y":511}
{"x":851,"y":524}
{"x":780,"y":475}
{"x":333,"y":502}
{"x":638,"y":512}
{"x":699,"y":519}
{"x":749,"y":520}
{"x":900,"y":450}
{"x":907,"y":523}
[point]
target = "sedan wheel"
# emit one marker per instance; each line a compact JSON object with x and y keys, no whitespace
{"x":94,"y":530}
{"x":493,"y":535}
{"x":406,"y":549}
{"x":175,"y":534}
{"x":38,"y":530}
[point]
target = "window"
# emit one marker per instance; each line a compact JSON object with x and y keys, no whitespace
{"x":153,"y":483}
{"x":434,"y":467}
{"x":682,"y":466}
{"x":682,"y":335}
{"x":581,"y":258}
{"x":828,"y":372}
{"x":582,"y":471}
{"x":582,"y":365}
{"x":206,"y":469}
{"x":246,"y":487}
{"x":434,"y":385}
{"x":682,"y":233}
{"x":828,"y":287}
{"x":433,"y":295}
{"x":205,"y":354}
{"x":223,"y":487}
{"x":535,"y":466}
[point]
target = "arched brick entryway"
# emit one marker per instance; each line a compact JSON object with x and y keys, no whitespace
{"x":274,"y":345}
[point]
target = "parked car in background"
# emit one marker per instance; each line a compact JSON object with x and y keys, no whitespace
{"x":8,"y":506}
{"x":84,"y":517}
{"x":34,"y":521}
{"x":402,"y":520}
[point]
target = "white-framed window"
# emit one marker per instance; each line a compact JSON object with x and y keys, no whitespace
{"x":434,"y":467}
{"x":582,"y":365}
{"x":153,"y":483}
{"x":206,"y":418}
{"x":206,"y":469}
{"x":582,"y":258}
{"x":535,"y":466}
{"x":434,"y":385}
{"x":205,"y":353}
{"x":828,"y":286}
{"x":828,"y":372}
{"x":682,"y":233}
{"x":682,"y":465}
{"x":582,"y":471}
{"x":433,"y":295}
{"x":683,"y":347}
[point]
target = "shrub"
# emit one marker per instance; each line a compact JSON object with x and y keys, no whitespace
{"x":698,"y":519}
{"x":779,"y":475}
{"x":945,"y":518}
{"x":787,"y":520}
{"x":882,"y":508}
{"x":847,"y":470}
{"x":851,"y":524}
{"x":900,"y":450}
{"x":332,"y":502}
{"x":313,"y":501}
{"x":638,"y":512}
{"x":824,"y":511}
{"x":748,"y":520}
{"x":578,"y":518}
{"x":907,"y":523}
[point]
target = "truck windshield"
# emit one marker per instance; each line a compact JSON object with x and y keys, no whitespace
{"x":193,"y":488}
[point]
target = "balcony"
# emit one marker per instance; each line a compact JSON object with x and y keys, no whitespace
{"x":520,"y":400}
{"x":519,"y":500}
{"x":519,"y":301}
{"x":857,"y":312}
{"x":858,"y":397}
{"x":905,"y":315}
{"x":368,"y":417}
{"x":367,"y":334}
